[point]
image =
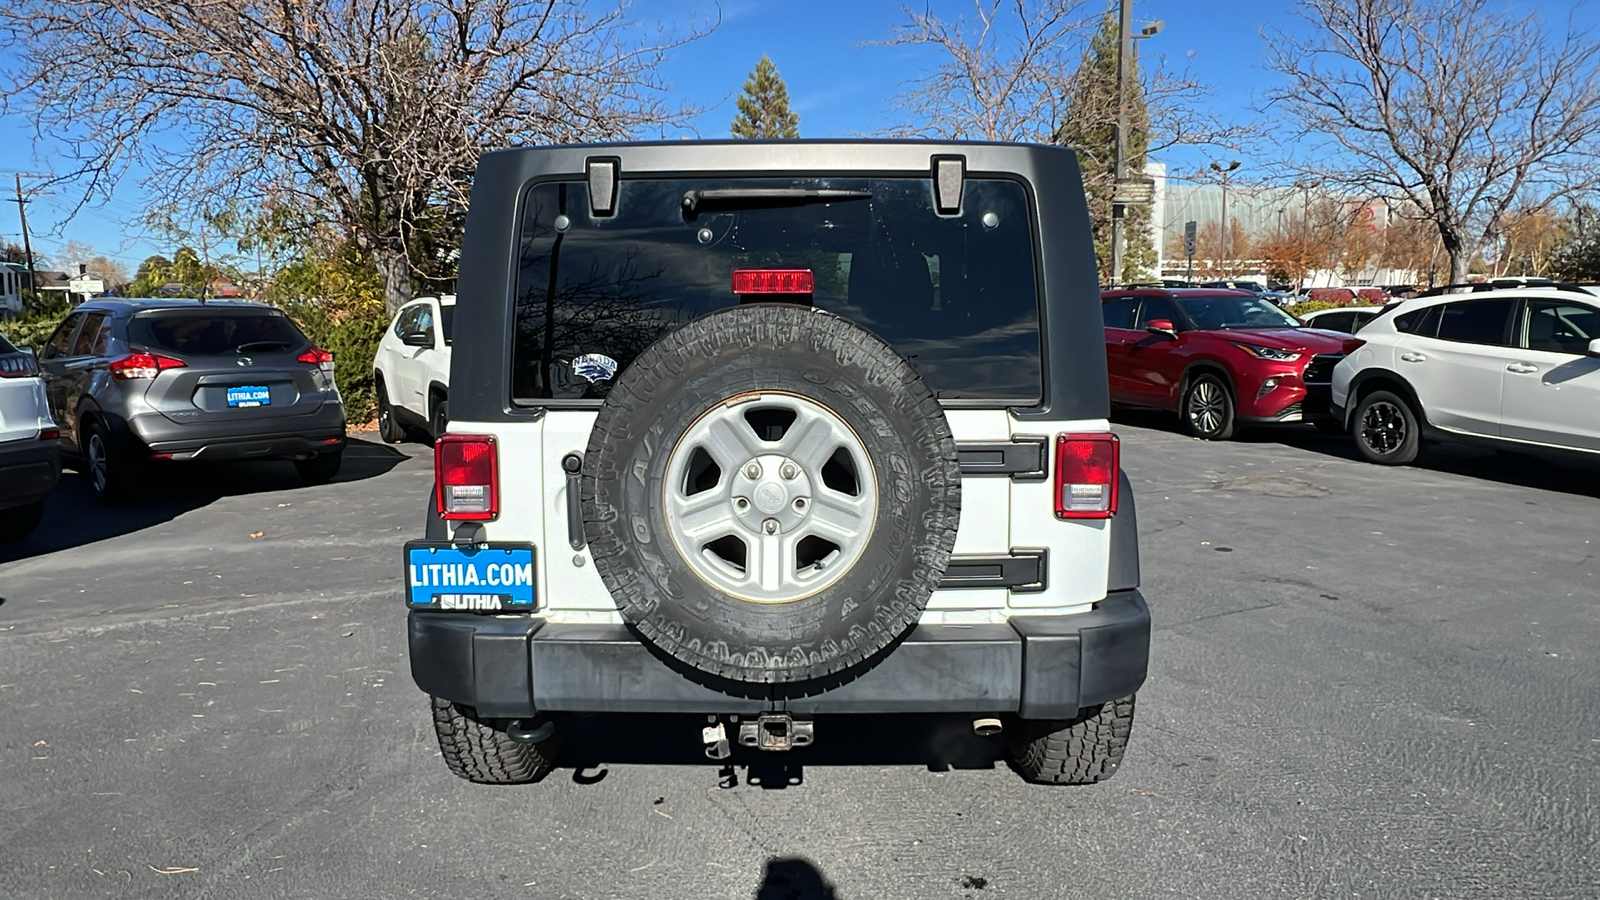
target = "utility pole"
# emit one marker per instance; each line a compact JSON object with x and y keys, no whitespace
{"x":27,"y":245}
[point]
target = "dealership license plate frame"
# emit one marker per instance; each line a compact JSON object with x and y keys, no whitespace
{"x":470,"y":597}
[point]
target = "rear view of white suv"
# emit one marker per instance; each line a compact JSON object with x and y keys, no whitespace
{"x":1513,"y":368}
{"x":30,"y":448}
{"x":411,"y":371}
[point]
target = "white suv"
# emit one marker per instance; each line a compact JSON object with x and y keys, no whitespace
{"x":1515,"y":368}
{"x":411,"y":371}
{"x":762,"y":431}
{"x":30,"y":445}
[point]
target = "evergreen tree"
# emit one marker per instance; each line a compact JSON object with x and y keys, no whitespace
{"x":764,"y":108}
{"x":1090,"y":127}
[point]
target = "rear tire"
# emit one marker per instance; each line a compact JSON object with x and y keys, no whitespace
{"x":18,"y":523}
{"x":111,"y":474}
{"x":1207,"y":409}
{"x":390,"y":431}
{"x":480,"y":753}
{"x":1386,"y":429}
{"x":321,"y":468}
{"x":1085,"y":750}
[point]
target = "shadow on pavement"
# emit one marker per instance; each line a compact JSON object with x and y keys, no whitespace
{"x":590,"y":742}
{"x":73,"y":518}
{"x":1567,"y":473}
{"x":793,"y":878}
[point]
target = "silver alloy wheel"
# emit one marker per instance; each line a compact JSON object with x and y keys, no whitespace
{"x":1206,"y":405}
{"x":1383,"y":427}
{"x":97,"y":462}
{"x":770,"y":497}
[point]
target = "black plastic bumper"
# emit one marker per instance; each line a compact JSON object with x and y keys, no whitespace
{"x":1041,"y":667}
{"x":29,"y":471}
{"x":282,"y":436}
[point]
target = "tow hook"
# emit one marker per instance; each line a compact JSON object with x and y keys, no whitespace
{"x":775,"y":731}
{"x":530,"y":731}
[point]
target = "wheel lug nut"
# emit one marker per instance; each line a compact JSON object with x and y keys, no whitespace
{"x":752,"y":471}
{"x":770,"y":526}
{"x":788,"y":471}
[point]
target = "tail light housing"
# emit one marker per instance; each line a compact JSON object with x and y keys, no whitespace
{"x":18,"y":365}
{"x":466,"y":471}
{"x":318,"y":357}
{"x":1351,"y":345}
{"x":143,"y":364}
{"x":773,"y":281}
{"x":1087,"y":466}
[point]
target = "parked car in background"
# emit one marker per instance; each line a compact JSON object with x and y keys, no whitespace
{"x":1517,"y":368}
{"x":1347,"y":319}
{"x":411,"y":369}
{"x":132,"y":382}
{"x":1218,"y":358}
{"x":30,"y":454}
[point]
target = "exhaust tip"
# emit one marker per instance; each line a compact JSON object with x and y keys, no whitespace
{"x":986,"y":727}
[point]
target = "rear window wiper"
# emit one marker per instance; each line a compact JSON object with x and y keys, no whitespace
{"x":694,"y":201}
{"x":261,"y":345}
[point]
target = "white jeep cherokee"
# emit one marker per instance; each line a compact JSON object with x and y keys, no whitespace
{"x":411,"y":369}
{"x":765,"y":431}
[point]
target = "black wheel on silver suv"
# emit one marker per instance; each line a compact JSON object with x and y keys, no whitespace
{"x":110,"y":472}
{"x":1386,"y":429}
{"x":1207,"y":408}
{"x":776,"y":516}
{"x":1084,"y":750}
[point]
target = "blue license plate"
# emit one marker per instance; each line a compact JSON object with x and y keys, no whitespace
{"x":495,"y":577}
{"x":251,"y":395}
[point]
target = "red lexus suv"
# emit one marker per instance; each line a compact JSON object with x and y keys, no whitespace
{"x":1218,"y":358}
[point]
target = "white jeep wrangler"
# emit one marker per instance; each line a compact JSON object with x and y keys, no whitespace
{"x":765,"y":431}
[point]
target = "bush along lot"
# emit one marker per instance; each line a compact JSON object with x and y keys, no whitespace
{"x":353,"y":339}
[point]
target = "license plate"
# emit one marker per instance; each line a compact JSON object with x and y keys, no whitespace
{"x":250,"y":395}
{"x":498,"y":576}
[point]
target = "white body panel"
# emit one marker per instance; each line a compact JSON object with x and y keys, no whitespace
{"x":998,"y":514}
{"x":1557,"y":403}
{"x":24,"y":410}
{"x":1458,"y":384}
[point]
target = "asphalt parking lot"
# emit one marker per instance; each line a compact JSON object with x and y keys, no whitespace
{"x":1366,"y":682}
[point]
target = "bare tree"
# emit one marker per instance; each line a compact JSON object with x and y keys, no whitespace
{"x":1448,"y":107}
{"x":1012,"y":73}
{"x":368,"y":114}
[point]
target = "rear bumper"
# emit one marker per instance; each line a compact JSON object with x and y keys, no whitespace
{"x":295,"y":436}
{"x":29,"y":471}
{"x":1040,"y":667}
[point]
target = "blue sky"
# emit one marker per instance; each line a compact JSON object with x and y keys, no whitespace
{"x":840,"y":84}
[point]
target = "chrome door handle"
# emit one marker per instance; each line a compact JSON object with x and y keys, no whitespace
{"x":1412,"y":357}
{"x":1522,"y":368}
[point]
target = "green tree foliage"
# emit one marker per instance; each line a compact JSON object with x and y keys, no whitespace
{"x":1577,"y":260}
{"x":1090,"y":127}
{"x":764,"y":108}
{"x":334,"y":292}
{"x":184,"y":269}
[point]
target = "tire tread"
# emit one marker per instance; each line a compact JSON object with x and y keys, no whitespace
{"x":480,"y":753}
{"x":1085,"y":750}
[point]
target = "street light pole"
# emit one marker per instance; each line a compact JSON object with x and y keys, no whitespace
{"x":1127,"y":58}
{"x":1217,"y":167}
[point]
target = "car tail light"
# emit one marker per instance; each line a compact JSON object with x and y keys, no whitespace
{"x":1351,"y":345}
{"x":773,"y":281}
{"x":49,"y":434}
{"x":466,"y":468}
{"x":20,"y":365}
{"x":142,"y":364}
{"x":1086,"y":475}
{"x":318,"y":357}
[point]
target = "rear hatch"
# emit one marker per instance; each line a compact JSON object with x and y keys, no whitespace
{"x":22,"y":401}
{"x":234,"y":365}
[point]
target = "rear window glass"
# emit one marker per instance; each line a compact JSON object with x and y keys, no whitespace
{"x":956,"y":295}
{"x":1423,"y":322}
{"x":201,"y":332}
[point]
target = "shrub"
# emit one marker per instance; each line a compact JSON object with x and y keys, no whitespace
{"x":32,"y":329}
{"x":1311,"y":306}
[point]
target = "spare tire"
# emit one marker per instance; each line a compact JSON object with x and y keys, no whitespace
{"x":771,"y":494}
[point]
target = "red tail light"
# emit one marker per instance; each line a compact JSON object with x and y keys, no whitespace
{"x":466,"y":469}
{"x":142,"y":364}
{"x":1351,"y":345}
{"x":19,"y":366}
{"x":1086,"y":475}
{"x":49,"y":434}
{"x":315,"y":356}
{"x":773,"y":281}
